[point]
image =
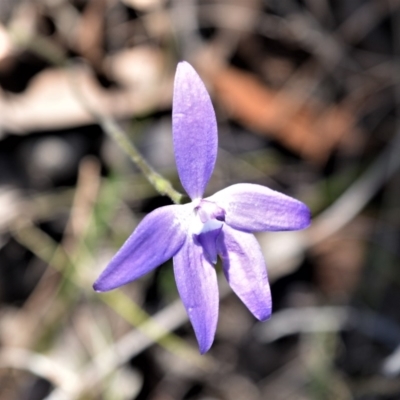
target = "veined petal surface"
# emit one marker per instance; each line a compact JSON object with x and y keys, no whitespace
{"x":197,"y":285}
{"x":254,"y":208}
{"x":155,"y":240}
{"x":245,"y":270}
{"x":194,"y":131}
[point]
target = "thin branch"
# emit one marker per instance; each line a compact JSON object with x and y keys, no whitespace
{"x":39,"y":365}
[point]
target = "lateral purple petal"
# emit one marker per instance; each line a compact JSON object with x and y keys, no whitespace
{"x":245,"y":270}
{"x":156,"y":239}
{"x":254,"y":208}
{"x":194,"y":131}
{"x":196,"y":281}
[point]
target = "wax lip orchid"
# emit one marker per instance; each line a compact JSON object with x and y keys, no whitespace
{"x":195,"y":234}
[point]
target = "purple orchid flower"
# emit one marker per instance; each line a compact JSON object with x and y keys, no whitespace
{"x":194,"y":234}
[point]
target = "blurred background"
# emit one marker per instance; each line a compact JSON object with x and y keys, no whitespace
{"x":307,"y":96}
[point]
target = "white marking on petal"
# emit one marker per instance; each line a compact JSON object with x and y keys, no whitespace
{"x":211,"y":225}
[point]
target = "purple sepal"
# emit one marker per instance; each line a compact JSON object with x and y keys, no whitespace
{"x":254,"y":208}
{"x":245,"y":270}
{"x":197,"y":285}
{"x":194,"y":131}
{"x":156,"y":239}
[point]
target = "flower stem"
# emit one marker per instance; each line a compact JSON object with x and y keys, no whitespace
{"x":46,"y":49}
{"x":162,"y":185}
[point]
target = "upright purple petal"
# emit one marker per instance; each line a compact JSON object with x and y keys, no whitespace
{"x":194,"y":131}
{"x":254,"y":208}
{"x":197,"y":285}
{"x":156,"y":239}
{"x":245,"y":270}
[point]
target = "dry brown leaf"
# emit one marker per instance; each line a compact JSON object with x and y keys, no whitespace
{"x":50,"y":101}
{"x":144,"y":5}
{"x":6,"y":46}
{"x":22,"y":24}
{"x":308,"y":129}
{"x":89,"y":38}
{"x":237,"y":15}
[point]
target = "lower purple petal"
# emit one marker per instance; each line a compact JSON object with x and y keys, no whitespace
{"x":245,"y":270}
{"x":254,"y":208}
{"x":197,"y":285}
{"x":156,"y":239}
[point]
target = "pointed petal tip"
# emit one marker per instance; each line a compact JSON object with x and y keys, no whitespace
{"x":264,"y":315}
{"x":203,"y":349}
{"x":103,"y":284}
{"x":98,"y":287}
{"x":304,"y":214}
{"x":184,"y":69}
{"x":205,"y":341}
{"x":184,"y":64}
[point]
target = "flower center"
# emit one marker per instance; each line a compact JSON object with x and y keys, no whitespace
{"x":210,"y":220}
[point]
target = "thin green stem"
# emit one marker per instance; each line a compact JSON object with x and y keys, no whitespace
{"x":46,"y":49}
{"x":161,"y":184}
